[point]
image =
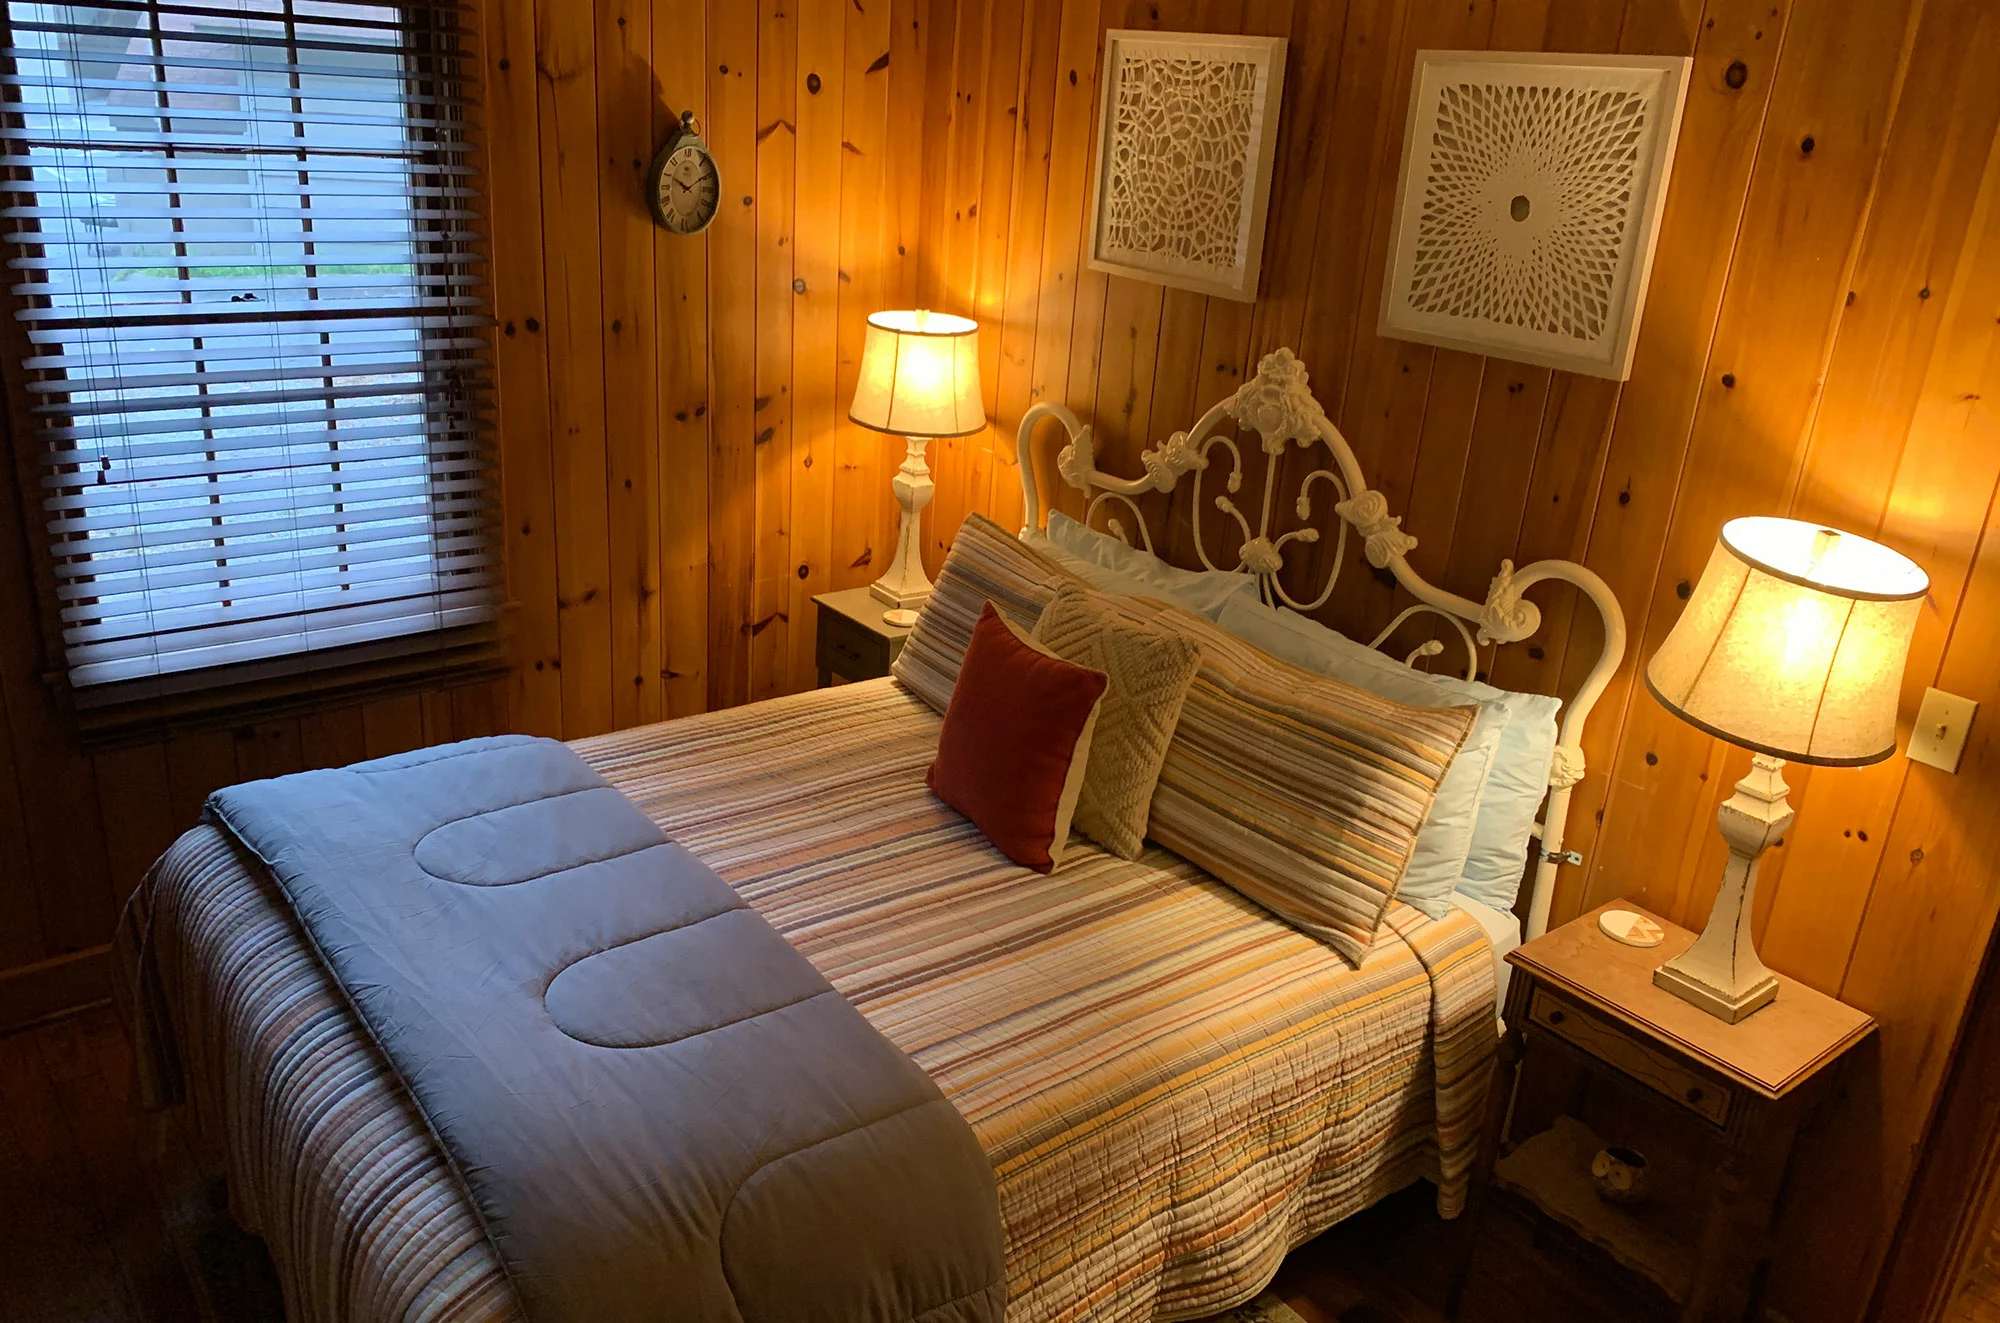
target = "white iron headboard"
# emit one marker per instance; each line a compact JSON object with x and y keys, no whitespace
{"x":1278,"y":406}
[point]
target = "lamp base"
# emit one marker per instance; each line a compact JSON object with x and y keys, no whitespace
{"x":1719,"y":1002}
{"x":905,"y":596}
{"x":1721,"y":972}
{"x":904,"y":585}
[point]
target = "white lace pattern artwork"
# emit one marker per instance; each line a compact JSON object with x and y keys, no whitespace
{"x":1530,"y":203}
{"x":1180,"y":153}
{"x":1184,"y":158}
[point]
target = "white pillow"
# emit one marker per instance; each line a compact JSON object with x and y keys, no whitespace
{"x":1509,"y":791}
{"x":1204,"y":592}
{"x":1110,"y":581}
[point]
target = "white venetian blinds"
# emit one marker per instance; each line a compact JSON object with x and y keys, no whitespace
{"x":240,"y":239}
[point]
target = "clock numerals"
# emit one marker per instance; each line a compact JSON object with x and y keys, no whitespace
{"x":687,"y":189}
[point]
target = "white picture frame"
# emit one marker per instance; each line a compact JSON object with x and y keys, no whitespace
{"x":1186,"y":135}
{"x":1529,"y":204}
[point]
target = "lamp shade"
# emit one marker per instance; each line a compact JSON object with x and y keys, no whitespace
{"x":1793,"y":643}
{"x":920,"y":375}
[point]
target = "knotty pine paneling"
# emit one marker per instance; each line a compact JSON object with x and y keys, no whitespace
{"x":681,"y":478}
{"x":1820,"y":339}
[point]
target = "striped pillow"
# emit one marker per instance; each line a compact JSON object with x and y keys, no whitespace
{"x":986,"y":564}
{"x":1304,"y":793}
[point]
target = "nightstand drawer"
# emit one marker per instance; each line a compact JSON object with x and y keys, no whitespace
{"x":848,"y":648}
{"x":1606,"y":1040}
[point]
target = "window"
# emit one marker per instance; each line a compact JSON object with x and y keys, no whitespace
{"x":240,"y":245}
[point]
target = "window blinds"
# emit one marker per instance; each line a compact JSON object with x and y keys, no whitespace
{"x":240,"y":239}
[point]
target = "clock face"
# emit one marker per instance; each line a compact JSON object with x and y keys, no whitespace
{"x":686,"y":187}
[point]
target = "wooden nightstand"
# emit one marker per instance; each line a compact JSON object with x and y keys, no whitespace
{"x":1713,"y":1106}
{"x":853,"y":642}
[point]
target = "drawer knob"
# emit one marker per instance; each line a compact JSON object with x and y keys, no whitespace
{"x":1557,"y":1017}
{"x":1695,"y":1095}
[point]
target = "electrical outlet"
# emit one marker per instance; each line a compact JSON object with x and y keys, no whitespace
{"x":1938,"y":738}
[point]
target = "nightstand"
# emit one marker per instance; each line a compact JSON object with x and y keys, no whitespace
{"x":853,"y":642}
{"x":1713,"y":1107}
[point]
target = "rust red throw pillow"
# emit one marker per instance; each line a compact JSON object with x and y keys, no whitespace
{"x":1015,"y":742}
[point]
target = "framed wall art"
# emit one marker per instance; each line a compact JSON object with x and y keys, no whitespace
{"x":1188,"y":126}
{"x":1529,"y":204}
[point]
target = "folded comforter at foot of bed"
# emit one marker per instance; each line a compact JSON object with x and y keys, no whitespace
{"x":659,"y":1108}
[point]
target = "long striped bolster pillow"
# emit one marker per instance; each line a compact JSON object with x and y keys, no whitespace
{"x":1303,"y":793}
{"x":986,"y":564}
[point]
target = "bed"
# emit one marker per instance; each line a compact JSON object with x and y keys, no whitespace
{"x":1173,"y":1087}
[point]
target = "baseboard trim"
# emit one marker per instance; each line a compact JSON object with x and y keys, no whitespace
{"x":53,"y":987}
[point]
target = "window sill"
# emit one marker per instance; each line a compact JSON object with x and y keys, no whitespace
{"x":138,"y":712}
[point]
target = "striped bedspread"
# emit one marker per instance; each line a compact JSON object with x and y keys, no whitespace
{"x":1174,"y":1087}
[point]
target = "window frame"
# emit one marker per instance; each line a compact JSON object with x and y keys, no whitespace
{"x":444,"y":49}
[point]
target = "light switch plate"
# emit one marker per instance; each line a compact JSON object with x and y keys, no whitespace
{"x":1938,"y":738}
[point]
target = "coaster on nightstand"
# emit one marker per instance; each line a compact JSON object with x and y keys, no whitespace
{"x":1630,"y":928}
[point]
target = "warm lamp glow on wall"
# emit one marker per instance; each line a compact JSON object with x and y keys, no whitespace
{"x":919,"y":379}
{"x":1792,"y":646}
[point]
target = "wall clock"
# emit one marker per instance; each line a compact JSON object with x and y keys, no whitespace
{"x":683,"y":187}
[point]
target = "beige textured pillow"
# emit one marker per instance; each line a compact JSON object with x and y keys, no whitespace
{"x":1150,"y":668}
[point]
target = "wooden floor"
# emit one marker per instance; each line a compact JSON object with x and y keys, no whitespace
{"x":81,"y":1234}
{"x":1388,"y":1265}
{"x":94,"y":1224}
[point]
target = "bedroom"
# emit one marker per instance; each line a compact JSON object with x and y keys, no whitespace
{"x":675,"y":477}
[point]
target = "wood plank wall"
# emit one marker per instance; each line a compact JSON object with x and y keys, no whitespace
{"x":1823,"y":337}
{"x":1820,"y":340}
{"x":681,"y":477}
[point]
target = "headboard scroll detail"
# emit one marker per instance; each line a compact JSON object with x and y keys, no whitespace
{"x":1277,"y":406}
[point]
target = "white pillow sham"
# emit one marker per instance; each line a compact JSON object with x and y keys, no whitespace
{"x":1505,"y":793}
{"x":1110,"y":566}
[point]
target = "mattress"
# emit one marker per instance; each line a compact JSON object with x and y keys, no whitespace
{"x":1173,"y":1087}
{"x":1503,"y":934}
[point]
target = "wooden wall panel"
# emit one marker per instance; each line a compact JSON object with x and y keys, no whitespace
{"x":675,"y":408}
{"x":732,"y":329}
{"x":1924,"y":288}
{"x":772,"y":405}
{"x":573,"y":279}
{"x":858,"y":540}
{"x":521,"y":366}
{"x":820,"y":96}
{"x":1720,"y":132}
{"x":680,"y":268}
{"x":625,"y":118}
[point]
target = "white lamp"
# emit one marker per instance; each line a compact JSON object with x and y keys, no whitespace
{"x":919,"y":379}
{"x":1792,"y":646}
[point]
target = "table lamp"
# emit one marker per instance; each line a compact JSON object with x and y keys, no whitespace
{"x":919,"y":379}
{"x":1792,"y":647}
